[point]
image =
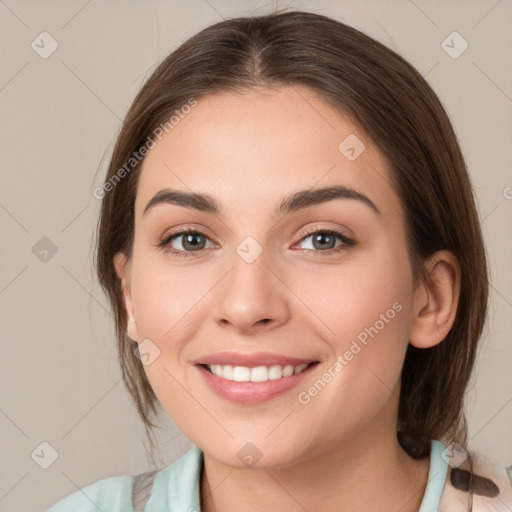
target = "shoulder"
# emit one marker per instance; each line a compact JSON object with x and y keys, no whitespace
{"x":475,"y":482}
{"x":113,"y":494}
{"x":171,"y":488}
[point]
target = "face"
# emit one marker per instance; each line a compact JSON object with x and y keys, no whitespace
{"x":266,"y":283}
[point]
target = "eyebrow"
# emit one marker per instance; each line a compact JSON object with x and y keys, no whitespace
{"x":291,"y":203}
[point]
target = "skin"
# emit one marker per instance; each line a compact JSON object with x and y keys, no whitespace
{"x":248,"y":150}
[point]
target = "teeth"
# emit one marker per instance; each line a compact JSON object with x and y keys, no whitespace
{"x":300,"y":368}
{"x":256,"y":374}
{"x":259,"y":374}
{"x":241,"y":374}
{"x":275,"y":372}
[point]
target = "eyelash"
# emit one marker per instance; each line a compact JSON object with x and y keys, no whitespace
{"x":347,"y":242}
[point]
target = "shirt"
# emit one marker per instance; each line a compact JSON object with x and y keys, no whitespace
{"x":176,"y":487}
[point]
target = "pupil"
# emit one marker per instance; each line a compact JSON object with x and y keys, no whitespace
{"x":189,"y":240}
{"x":321,"y":238}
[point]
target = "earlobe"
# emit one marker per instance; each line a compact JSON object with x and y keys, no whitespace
{"x":122,"y":267}
{"x":436,"y":300}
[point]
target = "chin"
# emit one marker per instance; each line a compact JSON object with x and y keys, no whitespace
{"x":258,"y":454}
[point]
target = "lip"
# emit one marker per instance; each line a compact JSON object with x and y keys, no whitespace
{"x":251,"y":360}
{"x":251,"y":392}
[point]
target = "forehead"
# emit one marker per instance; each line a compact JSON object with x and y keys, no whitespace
{"x":260,"y":145}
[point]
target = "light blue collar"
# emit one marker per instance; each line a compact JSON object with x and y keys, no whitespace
{"x":436,"y":478}
{"x":177,"y":486}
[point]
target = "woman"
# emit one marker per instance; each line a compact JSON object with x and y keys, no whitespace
{"x":290,"y":245}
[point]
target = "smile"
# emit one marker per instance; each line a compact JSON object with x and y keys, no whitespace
{"x":253,"y":385}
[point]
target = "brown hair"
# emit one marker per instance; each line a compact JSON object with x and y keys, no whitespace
{"x":397,"y":109}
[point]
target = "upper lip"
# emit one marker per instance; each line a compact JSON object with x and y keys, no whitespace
{"x":251,"y":360}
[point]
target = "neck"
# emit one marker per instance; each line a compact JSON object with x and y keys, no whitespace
{"x":371,"y":472}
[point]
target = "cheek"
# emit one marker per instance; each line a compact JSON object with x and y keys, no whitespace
{"x":353,"y":301}
{"x":365,"y":319}
{"x":167,"y":299}
{"x":169,"y":307}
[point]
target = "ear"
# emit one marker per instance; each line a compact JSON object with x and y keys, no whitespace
{"x":123,"y":271}
{"x":436,"y":300}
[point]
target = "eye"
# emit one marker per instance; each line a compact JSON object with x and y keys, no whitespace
{"x":191,"y":241}
{"x":324,"y":240}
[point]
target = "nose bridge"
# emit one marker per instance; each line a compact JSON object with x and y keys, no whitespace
{"x":251,"y":294}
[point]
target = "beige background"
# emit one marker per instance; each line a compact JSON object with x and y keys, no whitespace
{"x":59,"y":116}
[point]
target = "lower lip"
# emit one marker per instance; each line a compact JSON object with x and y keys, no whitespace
{"x":252,"y":392}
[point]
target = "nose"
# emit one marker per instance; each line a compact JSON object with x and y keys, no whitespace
{"x":252,"y":297}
